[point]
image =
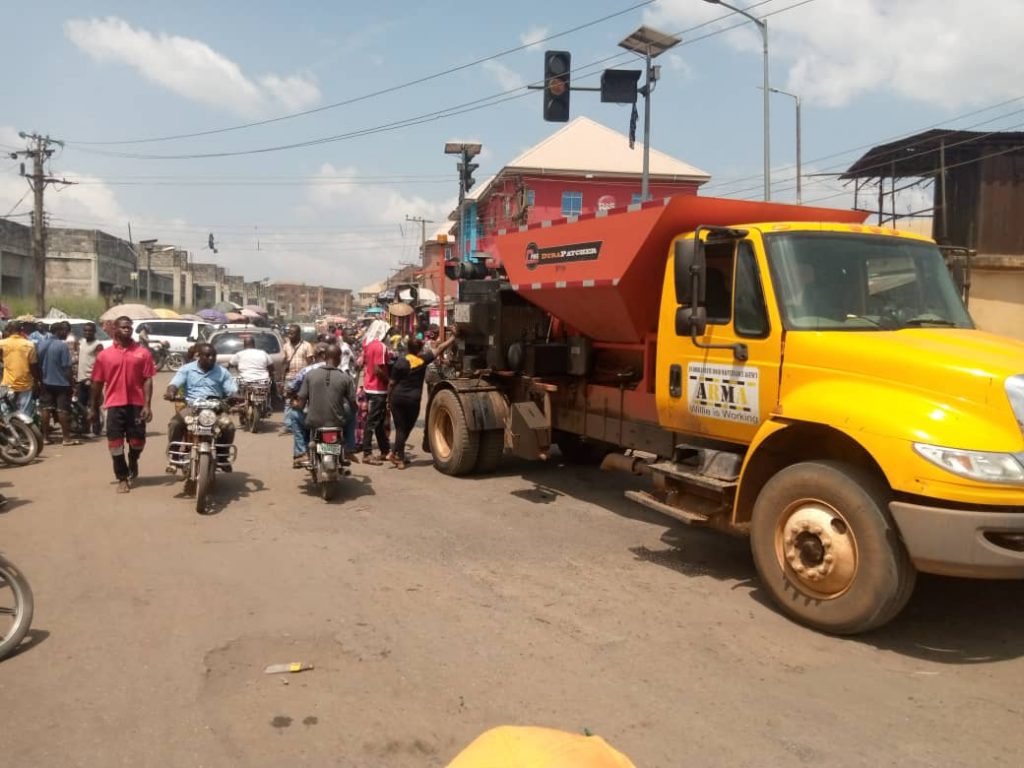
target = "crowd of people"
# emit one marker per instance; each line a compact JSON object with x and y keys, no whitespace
{"x":367,"y":382}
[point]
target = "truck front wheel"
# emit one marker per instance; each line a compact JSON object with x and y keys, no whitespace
{"x":453,"y":445}
{"x":827,"y":550}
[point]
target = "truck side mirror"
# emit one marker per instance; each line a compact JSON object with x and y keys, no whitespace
{"x":691,"y":321}
{"x":690,"y":271}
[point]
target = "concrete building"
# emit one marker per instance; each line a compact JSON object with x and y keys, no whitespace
{"x":301,"y":300}
{"x":234,"y":289}
{"x":17,"y":272}
{"x":207,"y":284}
{"x":88,"y":262}
{"x":173,"y":263}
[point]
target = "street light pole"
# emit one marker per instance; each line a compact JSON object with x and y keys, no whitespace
{"x":799,"y":196}
{"x":762,"y":25}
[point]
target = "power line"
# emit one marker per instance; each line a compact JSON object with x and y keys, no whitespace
{"x":453,"y":111}
{"x":382,"y":92}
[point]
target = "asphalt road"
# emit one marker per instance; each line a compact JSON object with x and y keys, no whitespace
{"x":433,"y":608}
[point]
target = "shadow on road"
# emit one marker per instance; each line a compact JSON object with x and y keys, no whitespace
{"x":948,"y":621}
{"x":349,"y":488}
{"x":32,"y":639}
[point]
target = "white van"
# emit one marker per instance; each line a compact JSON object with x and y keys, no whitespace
{"x":179,"y":334}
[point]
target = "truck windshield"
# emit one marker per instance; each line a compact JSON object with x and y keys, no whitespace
{"x":853,"y":282}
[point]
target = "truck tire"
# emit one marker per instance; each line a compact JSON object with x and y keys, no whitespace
{"x":492,"y":446}
{"x":454,"y":446}
{"x":827,"y":550}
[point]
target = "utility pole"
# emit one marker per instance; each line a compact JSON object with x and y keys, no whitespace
{"x":39,"y":150}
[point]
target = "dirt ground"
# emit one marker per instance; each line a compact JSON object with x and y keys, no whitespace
{"x":433,"y":608}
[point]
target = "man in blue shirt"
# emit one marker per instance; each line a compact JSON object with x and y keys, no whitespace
{"x":55,"y":395}
{"x":203,"y":379}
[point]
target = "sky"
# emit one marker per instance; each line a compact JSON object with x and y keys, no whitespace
{"x":303,"y":137}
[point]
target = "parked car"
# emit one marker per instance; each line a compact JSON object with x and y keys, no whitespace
{"x":179,"y":334}
{"x":228,"y":342}
{"x":77,"y":323}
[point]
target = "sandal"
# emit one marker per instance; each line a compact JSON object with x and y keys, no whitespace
{"x":372,"y":460}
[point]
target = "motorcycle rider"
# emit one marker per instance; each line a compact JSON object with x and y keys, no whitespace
{"x":328,"y":394}
{"x":203,"y":379}
{"x":254,"y":366}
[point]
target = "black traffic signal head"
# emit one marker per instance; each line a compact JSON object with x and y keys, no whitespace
{"x":557,"y":66}
{"x":618,"y":86}
{"x":466,"y":175}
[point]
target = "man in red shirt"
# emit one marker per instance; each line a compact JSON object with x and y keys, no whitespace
{"x":375,"y":384}
{"x":124,"y":377}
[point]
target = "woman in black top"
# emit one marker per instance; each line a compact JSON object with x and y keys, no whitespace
{"x":406,"y":391}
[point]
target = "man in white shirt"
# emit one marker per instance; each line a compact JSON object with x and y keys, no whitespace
{"x":253,"y":365}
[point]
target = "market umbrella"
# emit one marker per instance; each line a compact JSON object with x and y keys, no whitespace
{"x":510,"y":746}
{"x":249,"y":312}
{"x":191,"y":317}
{"x":167,"y":314}
{"x":400,"y":309}
{"x":133,"y":311}
{"x":254,"y":308}
{"x":227,"y":306}
{"x":212,"y":315}
{"x":235,"y":317}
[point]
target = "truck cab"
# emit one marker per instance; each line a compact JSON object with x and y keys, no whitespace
{"x":804,"y":379}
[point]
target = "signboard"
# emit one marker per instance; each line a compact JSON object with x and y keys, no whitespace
{"x":724,"y":392}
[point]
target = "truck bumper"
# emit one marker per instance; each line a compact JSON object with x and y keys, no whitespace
{"x":958,"y":542}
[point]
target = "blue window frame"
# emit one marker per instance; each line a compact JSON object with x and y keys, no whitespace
{"x":572,"y":203}
{"x":636,"y":198}
{"x":529,"y":197}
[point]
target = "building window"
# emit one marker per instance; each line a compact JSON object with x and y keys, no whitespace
{"x":636,"y":198}
{"x":572,"y":203}
{"x":529,"y":197}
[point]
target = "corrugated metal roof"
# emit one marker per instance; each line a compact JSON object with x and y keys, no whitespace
{"x":586,"y":146}
{"x":921,"y":154}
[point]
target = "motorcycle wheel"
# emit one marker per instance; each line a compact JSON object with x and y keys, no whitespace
{"x":328,"y":489}
{"x":174,"y":361}
{"x":16,"y":618}
{"x":204,"y":483}
{"x":38,"y":434}
{"x":20,"y":443}
{"x":252,"y":418}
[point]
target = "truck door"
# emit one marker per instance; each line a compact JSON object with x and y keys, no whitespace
{"x":709,"y":391}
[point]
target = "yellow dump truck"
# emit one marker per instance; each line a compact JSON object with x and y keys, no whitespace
{"x":782,"y":372}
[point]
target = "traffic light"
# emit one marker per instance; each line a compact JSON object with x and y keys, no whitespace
{"x":618,"y":86}
{"x":557,"y":65}
{"x":466,"y":169}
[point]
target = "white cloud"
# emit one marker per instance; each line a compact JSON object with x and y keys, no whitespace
{"x":533,"y":36}
{"x":189,"y":67}
{"x":508,"y":79}
{"x":942,"y":52}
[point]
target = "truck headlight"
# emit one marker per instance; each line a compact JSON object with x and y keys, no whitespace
{"x":976,"y":465}
{"x":1015,"y":392}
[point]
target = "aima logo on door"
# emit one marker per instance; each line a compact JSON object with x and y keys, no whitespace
{"x":561,"y":254}
{"x":721,"y":392}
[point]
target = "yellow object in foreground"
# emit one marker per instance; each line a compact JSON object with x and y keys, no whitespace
{"x":509,"y":746}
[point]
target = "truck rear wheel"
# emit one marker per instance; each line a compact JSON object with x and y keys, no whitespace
{"x":827,"y":550}
{"x":492,"y":446}
{"x":454,"y":446}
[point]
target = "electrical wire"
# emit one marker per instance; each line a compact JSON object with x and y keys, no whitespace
{"x":460,"y":109}
{"x":382,"y":92}
{"x":20,"y":201}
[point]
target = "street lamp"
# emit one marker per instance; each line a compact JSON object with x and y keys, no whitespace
{"x":148,"y":246}
{"x":649,"y":43}
{"x":799,"y":197}
{"x":762,"y":25}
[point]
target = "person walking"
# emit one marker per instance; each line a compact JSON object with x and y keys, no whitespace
{"x":375,"y":385}
{"x":298,"y":353}
{"x":122,"y":379}
{"x":55,"y":394}
{"x":88,"y":348}
{"x":21,"y":368}
{"x":405,"y":391}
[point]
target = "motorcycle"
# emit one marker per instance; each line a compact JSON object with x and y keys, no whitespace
{"x":197,"y":454}
{"x":327,"y":461}
{"x":21,"y":439}
{"x":256,"y":404}
{"x":16,"y":606}
{"x":160,"y":350}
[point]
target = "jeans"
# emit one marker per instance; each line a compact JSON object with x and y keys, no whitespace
{"x":376,"y":421}
{"x":25,"y":402}
{"x":350,"y":435}
{"x":295,"y":421}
